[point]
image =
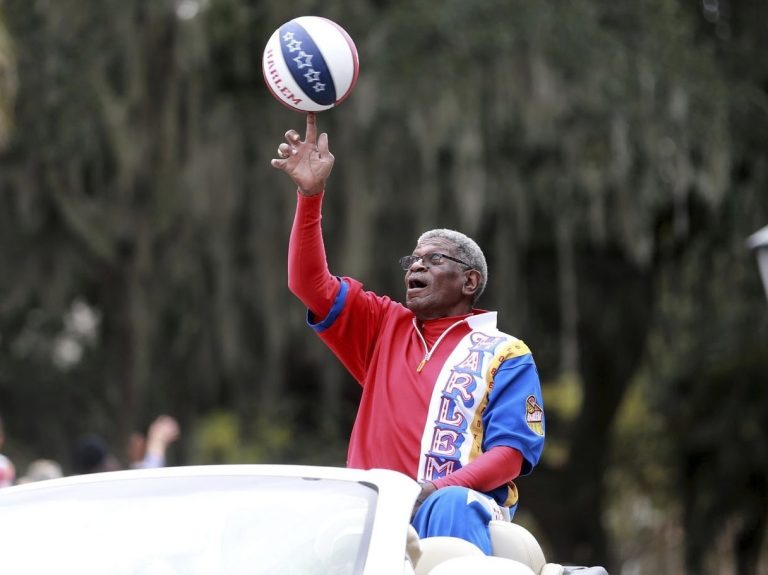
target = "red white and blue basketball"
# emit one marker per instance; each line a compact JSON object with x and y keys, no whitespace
{"x":310,"y":64}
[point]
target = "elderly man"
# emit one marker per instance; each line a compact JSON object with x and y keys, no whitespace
{"x":447,"y":399}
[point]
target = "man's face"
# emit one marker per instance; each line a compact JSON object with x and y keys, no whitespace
{"x":438,"y":290}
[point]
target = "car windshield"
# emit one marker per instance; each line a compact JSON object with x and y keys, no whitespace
{"x":227,"y":525}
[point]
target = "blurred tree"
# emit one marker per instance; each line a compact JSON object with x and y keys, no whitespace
{"x":136,"y":186}
{"x":8,"y":82}
{"x":711,"y":341}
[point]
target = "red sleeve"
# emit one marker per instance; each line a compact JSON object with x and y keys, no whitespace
{"x":497,"y":466}
{"x":308,"y":275}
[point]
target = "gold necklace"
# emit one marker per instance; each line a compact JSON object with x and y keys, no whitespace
{"x":429,"y":351}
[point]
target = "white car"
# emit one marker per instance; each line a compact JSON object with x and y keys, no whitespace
{"x":238,"y":520}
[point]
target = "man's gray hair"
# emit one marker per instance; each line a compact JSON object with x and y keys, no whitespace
{"x":466,"y":250}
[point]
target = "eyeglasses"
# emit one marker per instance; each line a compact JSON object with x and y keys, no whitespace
{"x":434,"y":259}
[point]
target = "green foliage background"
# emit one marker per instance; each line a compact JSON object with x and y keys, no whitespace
{"x":610,"y":158}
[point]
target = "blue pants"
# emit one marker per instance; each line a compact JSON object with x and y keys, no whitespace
{"x":456,"y":512}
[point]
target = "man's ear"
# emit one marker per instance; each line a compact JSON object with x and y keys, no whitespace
{"x":471,"y":282}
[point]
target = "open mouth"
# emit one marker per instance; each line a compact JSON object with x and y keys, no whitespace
{"x":416,"y":284}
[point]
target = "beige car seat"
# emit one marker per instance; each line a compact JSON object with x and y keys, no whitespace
{"x":436,"y":550}
{"x":508,"y":540}
{"x":514,"y":541}
{"x":481,"y":566}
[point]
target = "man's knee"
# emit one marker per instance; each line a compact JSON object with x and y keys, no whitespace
{"x":455,"y":512}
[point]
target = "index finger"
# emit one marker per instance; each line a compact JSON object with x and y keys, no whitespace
{"x":311,"y":135}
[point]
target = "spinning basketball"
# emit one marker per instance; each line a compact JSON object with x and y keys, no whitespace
{"x":310,"y":64}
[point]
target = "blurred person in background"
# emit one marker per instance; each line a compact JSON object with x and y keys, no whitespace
{"x":7,"y":470}
{"x":92,"y":455}
{"x":40,"y":470}
{"x":146,"y":451}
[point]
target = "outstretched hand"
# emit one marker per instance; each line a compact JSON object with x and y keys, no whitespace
{"x":307,"y":162}
{"x":162,"y":432}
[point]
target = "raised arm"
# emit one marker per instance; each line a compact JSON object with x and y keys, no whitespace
{"x":308,"y":163}
{"x":163,"y":431}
